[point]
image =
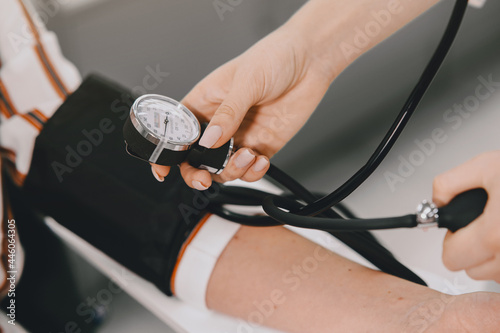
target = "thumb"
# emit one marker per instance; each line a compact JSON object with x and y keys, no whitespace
{"x":228,"y":117}
{"x":465,"y":177}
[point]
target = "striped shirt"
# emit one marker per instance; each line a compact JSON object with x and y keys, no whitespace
{"x":35,"y":79}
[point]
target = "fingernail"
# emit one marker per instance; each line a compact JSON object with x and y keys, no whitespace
{"x":260,"y":165}
{"x":211,"y":136}
{"x":199,"y":186}
{"x":157,"y":176}
{"x":243,"y":159}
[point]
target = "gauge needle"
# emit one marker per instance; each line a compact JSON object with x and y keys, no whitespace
{"x":166,"y":123}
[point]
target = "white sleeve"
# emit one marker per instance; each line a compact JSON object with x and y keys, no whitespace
{"x":198,"y":258}
{"x":201,"y":251}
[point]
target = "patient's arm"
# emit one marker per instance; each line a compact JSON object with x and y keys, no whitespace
{"x":275,"y":276}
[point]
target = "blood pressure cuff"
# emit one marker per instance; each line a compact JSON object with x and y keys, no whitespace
{"x":82,"y":177}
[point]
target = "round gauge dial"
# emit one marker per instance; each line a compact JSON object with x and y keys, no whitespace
{"x":162,"y":131}
{"x":167,"y":119}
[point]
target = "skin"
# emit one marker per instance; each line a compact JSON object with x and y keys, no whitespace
{"x":287,"y":73}
{"x":314,"y":290}
{"x":476,"y":248}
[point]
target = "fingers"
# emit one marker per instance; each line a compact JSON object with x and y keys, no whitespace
{"x":489,"y":270}
{"x":477,"y":172}
{"x":258,"y":169}
{"x":455,"y":181}
{"x":467,"y":248}
{"x":245,"y":165}
{"x":195,"y":178}
{"x":228,"y":117}
{"x":160,"y":171}
{"x":476,"y":248}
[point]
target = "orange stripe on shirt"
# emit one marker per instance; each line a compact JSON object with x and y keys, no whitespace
{"x":15,"y":175}
{"x":8,"y":157}
{"x":7,"y":153}
{"x":40,"y":115}
{"x":31,"y":121}
{"x":52,"y":80}
{"x":6,"y":95}
{"x":6,"y":102}
{"x":183,"y":249}
{"x":4,"y":111}
{"x":59,"y":86}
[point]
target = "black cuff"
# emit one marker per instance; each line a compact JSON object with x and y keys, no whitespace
{"x":82,"y":177}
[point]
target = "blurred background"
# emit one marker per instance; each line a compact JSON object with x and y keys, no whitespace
{"x":188,"y":39}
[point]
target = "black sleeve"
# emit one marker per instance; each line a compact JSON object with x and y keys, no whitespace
{"x":82,"y":177}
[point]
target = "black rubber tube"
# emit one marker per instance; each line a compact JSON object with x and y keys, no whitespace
{"x":399,"y":124}
{"x":271,"y":208}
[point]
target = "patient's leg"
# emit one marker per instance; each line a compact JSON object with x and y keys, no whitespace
{"x":275,"y":277}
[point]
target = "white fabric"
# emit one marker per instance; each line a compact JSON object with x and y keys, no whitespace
{"x":28,"y":87}
{"x":25,"y":80}
{"x":200,"y":258}
{"x":201,"y":255}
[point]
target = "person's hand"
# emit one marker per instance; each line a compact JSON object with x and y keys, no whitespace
{"x":476,"y":248}
{"x":261,"y":98}
{"x":264,"y":96}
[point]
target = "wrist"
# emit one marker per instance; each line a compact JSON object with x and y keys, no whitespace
{"x":334,"y":33}
{"x":316,"y":31}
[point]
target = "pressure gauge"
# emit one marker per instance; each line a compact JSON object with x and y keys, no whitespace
{"x":162,"y":131}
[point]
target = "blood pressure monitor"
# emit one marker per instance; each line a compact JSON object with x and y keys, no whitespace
{"x":162,"y":131}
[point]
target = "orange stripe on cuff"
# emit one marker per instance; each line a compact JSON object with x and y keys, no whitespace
{"x":183,"y":250}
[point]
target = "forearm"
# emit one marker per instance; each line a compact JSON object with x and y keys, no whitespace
{"x":274,"y":277}
{"x":337,"y":32}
